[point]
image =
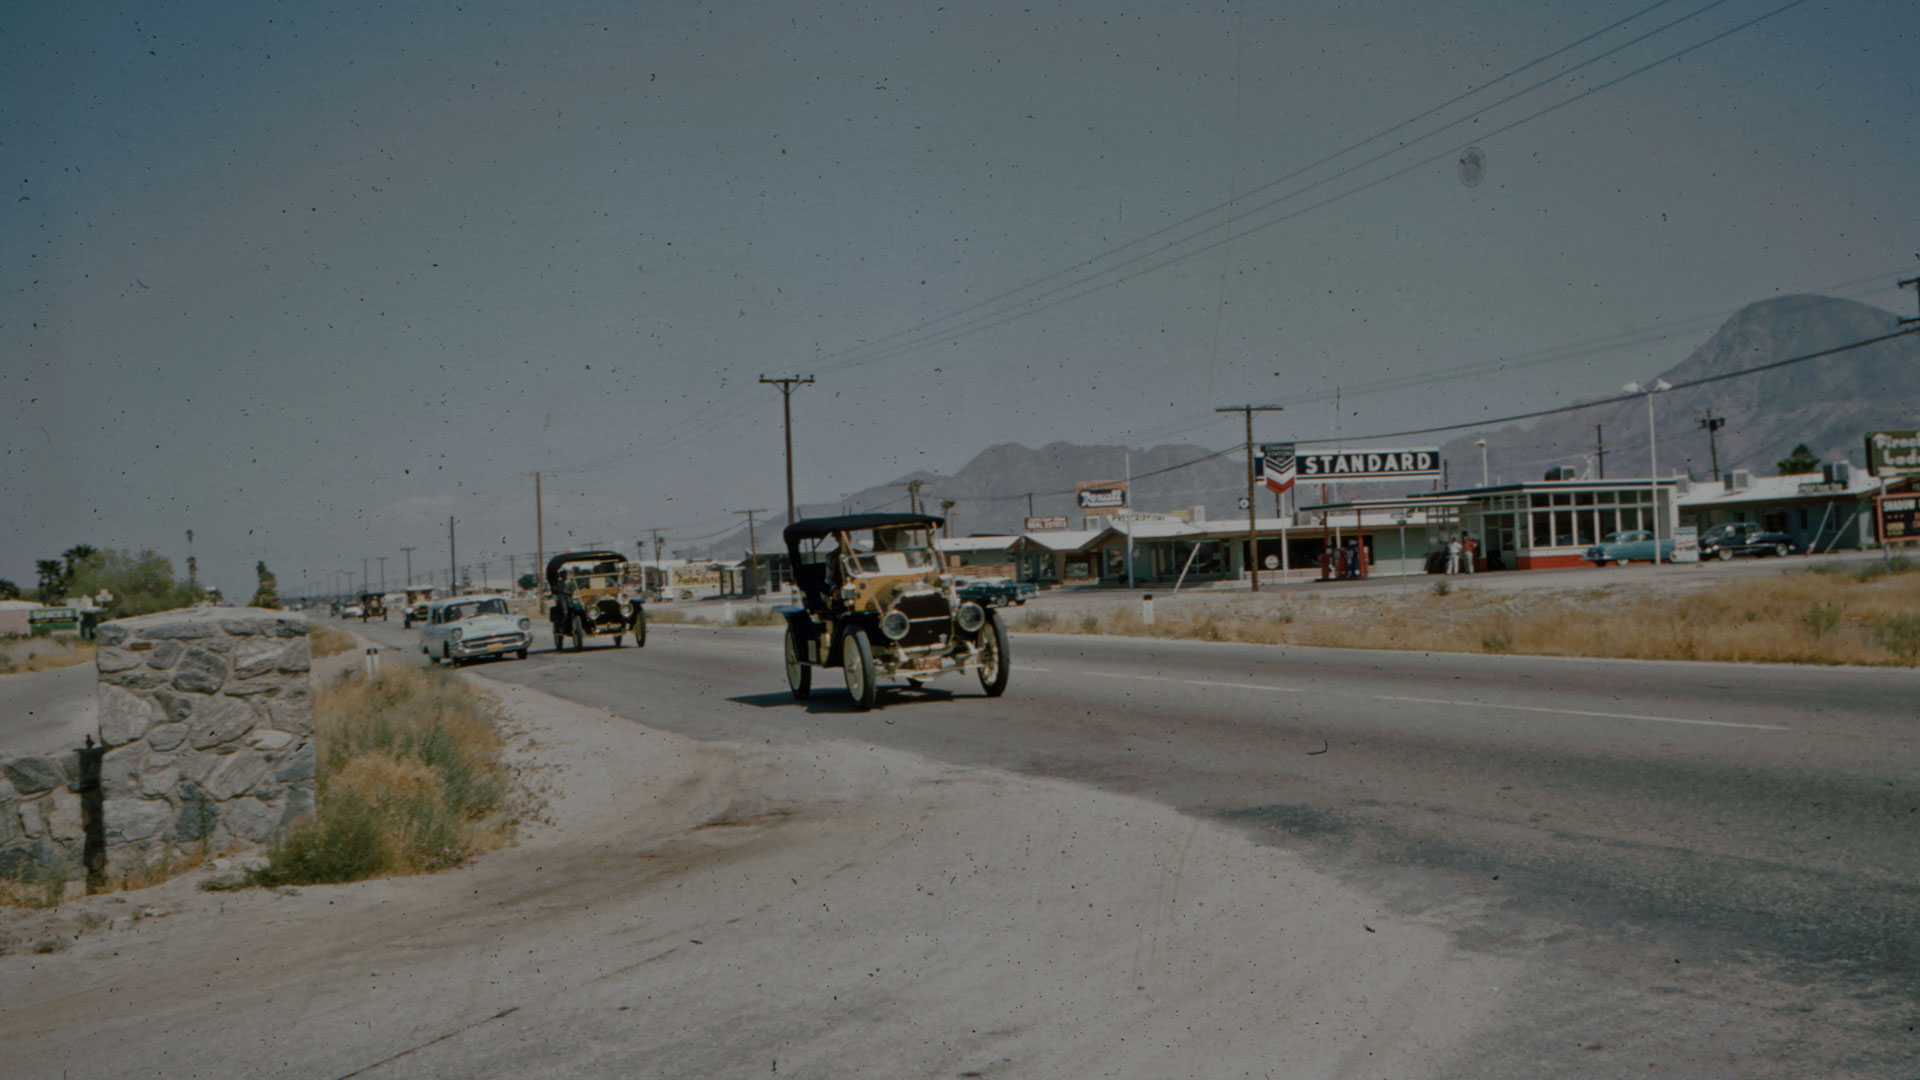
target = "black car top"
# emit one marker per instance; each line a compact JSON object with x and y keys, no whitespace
{"x":554,"y":564}
{"x":814,"y":578}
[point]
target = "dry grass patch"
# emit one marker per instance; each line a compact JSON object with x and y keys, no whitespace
{"x":411,"y":780}
{"x":19,"y":656}
{"x":329,"y":641}
{"x":1858,"y":617}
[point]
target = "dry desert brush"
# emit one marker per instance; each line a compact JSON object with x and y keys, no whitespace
{"x":411,"y":780}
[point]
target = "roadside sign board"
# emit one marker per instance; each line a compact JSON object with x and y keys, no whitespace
{"x":1365,"y":465}
{"x":1686,"y":544}
{"x":1893,"y":453}
{"x":1276,"y":467}
{"x":1051,"y":523}
{"x":1901,"y":518}
{"x":1101,"y":494}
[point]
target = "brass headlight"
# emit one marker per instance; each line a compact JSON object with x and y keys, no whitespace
{"x":972,"y":616}
{"x":895,"y":624}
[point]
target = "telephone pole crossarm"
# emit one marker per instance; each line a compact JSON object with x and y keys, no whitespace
{"x":1253,"y":529}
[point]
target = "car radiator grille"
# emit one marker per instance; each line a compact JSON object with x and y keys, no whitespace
{"x":491,"y":641}
{"x":932,"y":619}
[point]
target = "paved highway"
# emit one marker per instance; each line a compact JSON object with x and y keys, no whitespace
{"x":1708,"y":869}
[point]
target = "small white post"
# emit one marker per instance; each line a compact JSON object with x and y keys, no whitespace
{"x":1146,"y":609}
{"x":373,"y":662}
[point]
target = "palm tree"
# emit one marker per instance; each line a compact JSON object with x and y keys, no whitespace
{"x":53,"y":579}
{"x":77,"y":552}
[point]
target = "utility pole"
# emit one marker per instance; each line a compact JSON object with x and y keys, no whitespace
{"x":1600,"y":451}
{"x":539,"y":538}
{"x":453,"y":561}
{"x":1914,"y":281}
{"x":409,"y":553}
{"x":1713,"y":423}
{"x":366,"y":580}
{"x":383,"y":572}
{"x":1253,"y":532}
{"x":786,"y":386}
{"x":753,"y":568}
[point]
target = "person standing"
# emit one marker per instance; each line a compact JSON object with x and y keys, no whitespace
{"x":1469,"y":548}
{"x":1453,"y":555}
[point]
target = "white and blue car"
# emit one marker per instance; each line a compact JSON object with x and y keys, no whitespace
{"x":472,"y":627}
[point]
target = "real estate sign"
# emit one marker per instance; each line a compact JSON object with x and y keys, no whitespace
{"x":1893,"y":453}
{"x":1368,"y":465}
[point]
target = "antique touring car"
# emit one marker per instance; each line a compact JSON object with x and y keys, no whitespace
{"x":877,"y":605}
{"x":591,"y":595}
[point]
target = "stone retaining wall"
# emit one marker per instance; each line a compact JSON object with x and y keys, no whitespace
{"x":206,"y":723}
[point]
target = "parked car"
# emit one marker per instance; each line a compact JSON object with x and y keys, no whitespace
{"x":997,"y":592}
{"x":351,"y":611}
{"x":1633,"y":545}
{"x":464,"y":628}
{"x":877,"y":606}
{"x":1744,"y":538}
{"x":591,"y":595}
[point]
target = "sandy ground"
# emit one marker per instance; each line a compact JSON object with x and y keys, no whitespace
{"x":706,"y":909}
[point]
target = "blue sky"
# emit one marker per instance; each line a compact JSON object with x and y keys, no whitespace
{"x":310,"y":281}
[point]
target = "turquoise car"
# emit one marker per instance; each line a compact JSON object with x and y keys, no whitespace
{"x":1633,"y":545}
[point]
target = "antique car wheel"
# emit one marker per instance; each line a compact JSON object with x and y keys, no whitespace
{"x":640,"y":629}
{"x":856,"y":657}
{"x":799,"y":675}
{"x":579,"y":633}
{"x":994,"y":660}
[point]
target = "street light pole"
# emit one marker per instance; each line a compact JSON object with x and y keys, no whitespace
{"x":409,"y":553}
{"x":1253,"y":530}
{"x":1482,"y":444}
{"x":1653,"y":453}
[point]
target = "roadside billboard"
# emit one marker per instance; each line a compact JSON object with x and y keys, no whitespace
{"x":1051,"y":523}
{"x":1893,"y":453}
{"x":1364,"y":465}
{"x":1900,"y":518}
{"x":1101,"y":494}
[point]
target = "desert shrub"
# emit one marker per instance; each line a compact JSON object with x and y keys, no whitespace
{"x":1819,"y":620}
{"x":329,"y":641}
{"x":1900,"y":635}
{"x":1441,"y":587}
{"x":755,"y":616}
{"x":410,"y":781}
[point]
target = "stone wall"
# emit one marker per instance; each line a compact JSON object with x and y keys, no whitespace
{"x":41,"y":829}
{"x":206,"y":718}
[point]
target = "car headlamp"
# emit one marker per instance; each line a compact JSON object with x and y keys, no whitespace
{"x":895,"y":624}
{"x":454,"y":633}
{"x":526,"y":624}
{"x":971,"y":616}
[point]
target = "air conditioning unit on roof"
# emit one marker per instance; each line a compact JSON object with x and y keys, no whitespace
{"x":1837,"y":472}
{"x":1560,"y":472}
{"x":1737,"y":480}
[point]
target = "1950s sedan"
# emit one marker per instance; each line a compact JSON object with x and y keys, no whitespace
{"x":471,"y":627}
{"x":877,"y":605}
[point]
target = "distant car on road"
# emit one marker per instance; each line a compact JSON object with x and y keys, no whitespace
{"x":1744,"y":538}
{"x":470,"y":627}
{"x":997,"y":592}
{"x":352,"y":611}
{"x":1632,"y":545}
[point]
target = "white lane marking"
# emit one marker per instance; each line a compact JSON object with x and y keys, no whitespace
{"x":1243,"y":686}
{"x":1030,"y":667}
{"x":1583,"y":712}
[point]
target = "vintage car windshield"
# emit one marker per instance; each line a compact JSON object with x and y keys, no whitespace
{"x":492,"y":606}
{"x":904,"y":561}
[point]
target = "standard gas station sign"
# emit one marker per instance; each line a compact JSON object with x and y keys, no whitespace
{"x":1368,"y":465}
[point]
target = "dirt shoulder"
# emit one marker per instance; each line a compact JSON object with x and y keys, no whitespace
{"x":827,"y":909}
